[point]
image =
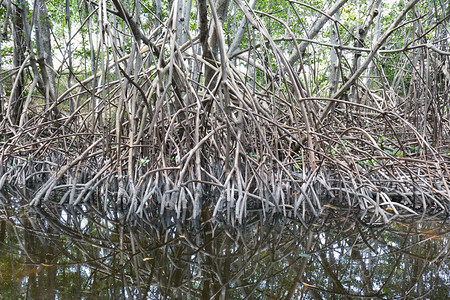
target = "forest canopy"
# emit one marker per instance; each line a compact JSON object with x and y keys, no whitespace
{"x":228,"y":105}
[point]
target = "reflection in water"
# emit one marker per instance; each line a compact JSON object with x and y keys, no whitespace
{"x":62,"y":252}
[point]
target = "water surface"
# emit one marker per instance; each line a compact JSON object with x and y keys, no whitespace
{"x":92,"y":252}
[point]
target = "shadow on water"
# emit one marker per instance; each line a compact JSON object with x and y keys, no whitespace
{"x":84,"y":252}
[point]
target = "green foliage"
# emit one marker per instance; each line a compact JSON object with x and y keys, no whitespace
{"x":6,"y":51}
{"x":369,"y":163}
{"x":143,"y":161}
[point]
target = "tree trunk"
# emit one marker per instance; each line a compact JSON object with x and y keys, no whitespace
{"x":360,"y":42}
{"x":44,"y":54}
{"x":320,"y":22}
{"x":17,"y":98}
{"x":204,"y":34}
{"x":392,"y":28}
{"x":376,"y":35}
{"x":334,"y":58}
{"x":69,"y":54}
{"x":239,"y":35}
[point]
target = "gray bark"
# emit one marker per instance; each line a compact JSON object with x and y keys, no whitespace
{"x":360,"y":43}
{"x":370,"y":57}
{"x":362,"y":34}
{"x":179,"y":21}
{"x":239,"y":35}
{"x":315,"y":30}
{"x":376,"y":35}
{"x":221,"y":7}
{"x":3,"y":35}
{"x":44,"y":52}
{"x":187,"y":18}
{"x":204,"y":34}
{"x":17,"y":98}
{"x":158,"y":15}
{"x":69,"y":54}
{"x":334,"y":59}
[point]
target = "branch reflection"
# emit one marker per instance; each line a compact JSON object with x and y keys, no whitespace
{"x":77,"y":252}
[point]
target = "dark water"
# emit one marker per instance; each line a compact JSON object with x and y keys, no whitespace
{"x":58,"y":252}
